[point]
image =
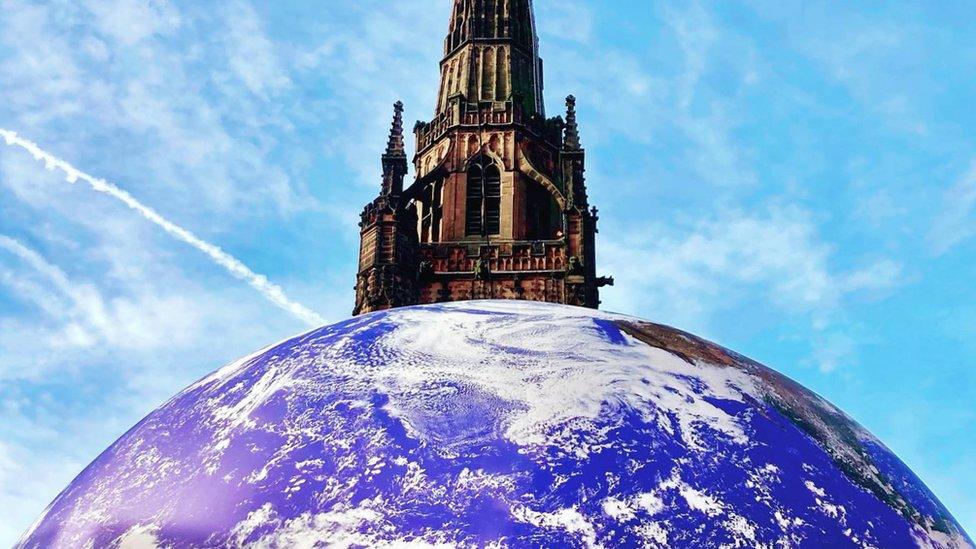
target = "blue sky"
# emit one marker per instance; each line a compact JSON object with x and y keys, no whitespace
{"x":795,"y":180}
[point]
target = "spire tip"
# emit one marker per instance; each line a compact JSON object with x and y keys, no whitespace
{"x":395,"y":144}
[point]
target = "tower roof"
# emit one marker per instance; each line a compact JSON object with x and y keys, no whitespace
{"x":491,"y":54}
{"x":509,"y":20}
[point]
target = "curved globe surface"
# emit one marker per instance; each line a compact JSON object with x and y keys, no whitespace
{"x":496,"y":424}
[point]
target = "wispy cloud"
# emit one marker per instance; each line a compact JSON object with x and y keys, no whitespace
{"x":84,"y":316}
{"x":131,"y":21}
{"x":689,"y":273}
{"x":235,"y":267}
{"x":706,"y":120}
{"x":659,"y":96}
{"x":193,"y":111}
{"x":696,"y":34}
{"x":251,"y":53}
{"x":367,"y":61}
{"x":956,"y":220}
{"x":36,"y":262}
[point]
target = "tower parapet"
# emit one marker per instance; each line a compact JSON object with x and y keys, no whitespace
{"x":498,"y":207}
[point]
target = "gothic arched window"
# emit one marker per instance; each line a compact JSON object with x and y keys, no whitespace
{"x":483,"y":208}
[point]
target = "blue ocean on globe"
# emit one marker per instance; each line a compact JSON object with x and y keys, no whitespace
{"x":496,"y":424}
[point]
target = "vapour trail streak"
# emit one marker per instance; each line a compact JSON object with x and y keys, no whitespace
{"x":259,"y":282}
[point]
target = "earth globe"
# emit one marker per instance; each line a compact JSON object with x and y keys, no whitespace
{"x":496,"y":424}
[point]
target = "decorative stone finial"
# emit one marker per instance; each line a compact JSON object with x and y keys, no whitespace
{"x":572,"y":138}
{"x":394,"y":146}
{"x":395,"y":157}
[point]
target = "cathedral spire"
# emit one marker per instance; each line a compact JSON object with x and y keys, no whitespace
{"x":572,"y":139}
{"x":497,"y":206}
{"x":395,"y":157}
{"x":491,"y":54}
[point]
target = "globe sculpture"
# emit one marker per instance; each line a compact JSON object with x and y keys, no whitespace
{"x":496,"y":424}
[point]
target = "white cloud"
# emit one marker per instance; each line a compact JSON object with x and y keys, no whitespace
{"x":135,"y":73}
{"x":687,"y":273}
{"x":874,"y":56}
{"x":80,"y":320}
{"x":956,"y":221}
{"x":132,"y":21}
{"x":696,"y":35}
{"x":370,"y":62}
{"x":706,"y":121}
{"x":881,"y":207}
{"x":651,"y":98}
{"x":832,"y":350}
{"x":565,"y":20}
{"x":252,"y":55}
{"x":883,"y":274}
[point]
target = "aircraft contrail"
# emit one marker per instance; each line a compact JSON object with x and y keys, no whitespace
{"x":234,"y":266}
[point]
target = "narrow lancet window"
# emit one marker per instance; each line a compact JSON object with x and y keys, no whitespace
{"x":483,"y":216}
{"x":472,"y":219}
{"x":493,"y":200}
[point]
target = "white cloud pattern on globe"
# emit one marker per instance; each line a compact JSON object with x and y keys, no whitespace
{"x":496,"y":424}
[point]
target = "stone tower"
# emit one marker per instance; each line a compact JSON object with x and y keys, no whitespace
{"x":498,"y":208}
